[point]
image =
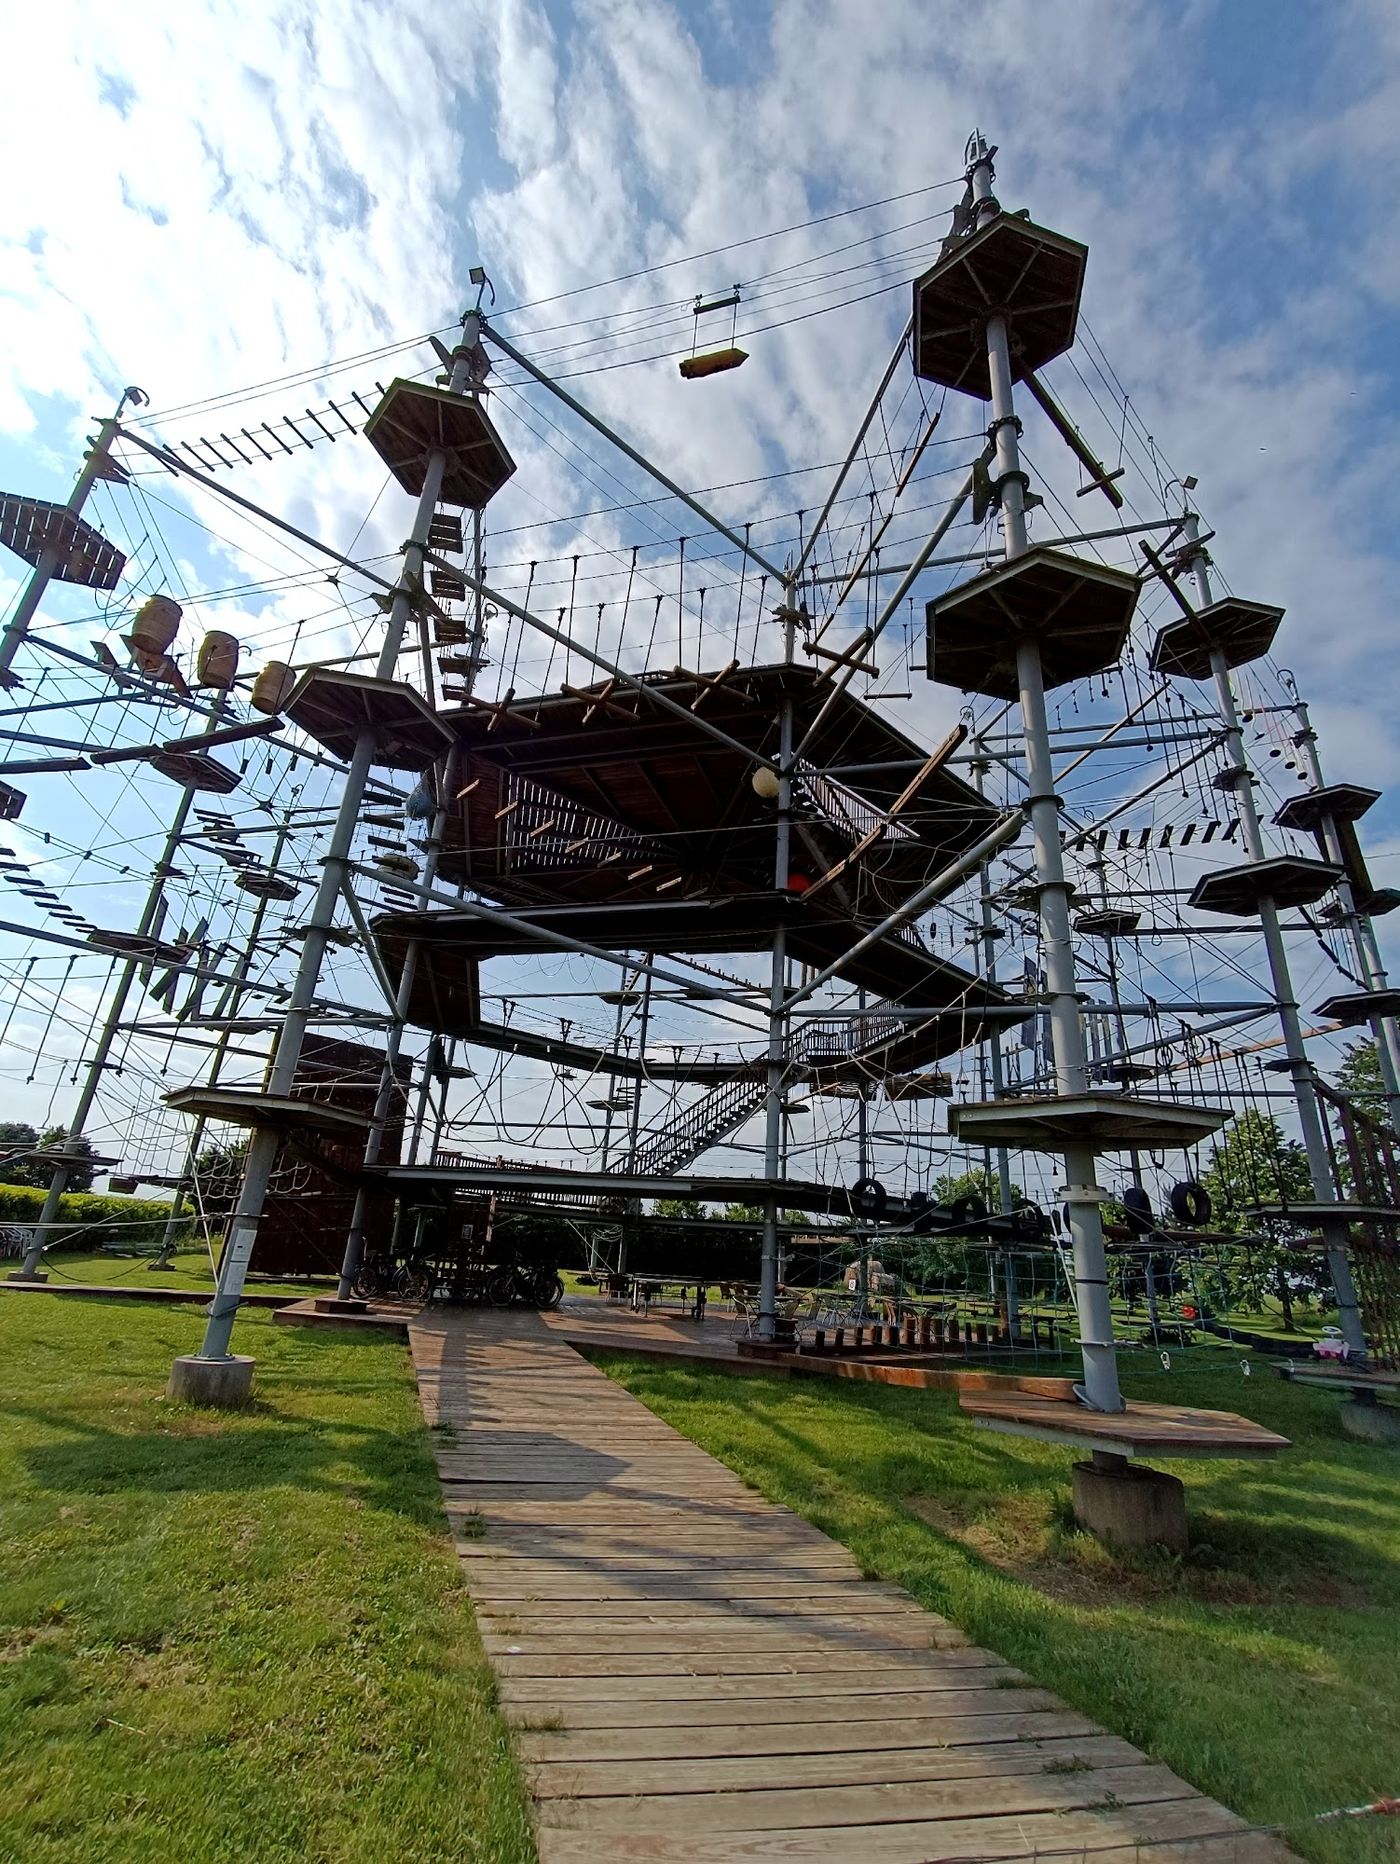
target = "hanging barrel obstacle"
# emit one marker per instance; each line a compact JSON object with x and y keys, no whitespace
{"x":217,"y":662}
{"x":153,"y":631}
{"x":714,"y":362}
{"x":272,"y":688}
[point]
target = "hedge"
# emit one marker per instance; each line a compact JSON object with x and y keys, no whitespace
{"x":96,"y":1219}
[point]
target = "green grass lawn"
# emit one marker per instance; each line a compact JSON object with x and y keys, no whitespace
{"x":1265,"y":1667}
{"x":189,"y":1268}
{"x":232,"y":1636}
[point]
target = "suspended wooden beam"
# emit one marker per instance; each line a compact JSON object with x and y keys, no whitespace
{"x":1101,"y":479}
{"x":930,"y":767}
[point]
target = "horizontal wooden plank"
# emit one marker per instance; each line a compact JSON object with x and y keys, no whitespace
{"x":842,"y":1709}
{"x":803,"y":1734}
{"x":874,"y":1766}
{"x":787,"y":1684}
{"x":737,"y":1663}
{"x":853,"y":1643}
{"x":837,"y":1603}
{"x":1191,"y":1831}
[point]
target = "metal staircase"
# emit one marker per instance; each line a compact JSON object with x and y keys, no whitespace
{"x":717,"y":1114}
{"x":700,"y":1125}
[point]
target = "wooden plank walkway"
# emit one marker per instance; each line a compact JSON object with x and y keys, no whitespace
{"x":693,"y":1673}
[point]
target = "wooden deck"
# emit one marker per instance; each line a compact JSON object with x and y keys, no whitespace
{"x":1139,"y":1430}
{"x":693,"y":1673}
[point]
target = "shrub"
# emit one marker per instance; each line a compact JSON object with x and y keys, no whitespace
{"x":95,"y":1218}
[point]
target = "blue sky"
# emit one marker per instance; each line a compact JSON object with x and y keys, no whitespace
{"x":236,"y":193}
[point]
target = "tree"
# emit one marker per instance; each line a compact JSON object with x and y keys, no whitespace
{"x":79,"y":1148}
{"x":1251,"y":1165}
{"x":16,"y":1139}
{"x":742,"y":1213}
{"x":679,"y":1207}
{"x":1360,"y":1076}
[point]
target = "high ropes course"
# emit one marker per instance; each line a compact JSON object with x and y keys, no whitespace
{"x":921,"y":854}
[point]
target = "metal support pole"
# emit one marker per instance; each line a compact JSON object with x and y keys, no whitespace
{"x":991,"y":932}
{"x":1358,"y":925}
{"x":862,"y":1234}
{"x":227,"y":1006}
{"x":777,"y":1011}
{"x":263,"y":1146}
{"x":94,"y":468}
{"x":1334,"y":1229}
{"x":1100,"y":1388}
{"x":145,"y":925}
{"x":388,"y":1074}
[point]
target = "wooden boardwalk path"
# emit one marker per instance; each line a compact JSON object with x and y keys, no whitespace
{"x":693,"y":1673}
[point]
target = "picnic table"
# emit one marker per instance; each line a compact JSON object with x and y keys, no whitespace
{"x":651,"y":1290}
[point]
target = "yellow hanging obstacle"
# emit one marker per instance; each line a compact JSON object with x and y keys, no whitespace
{"x":714,"y":362}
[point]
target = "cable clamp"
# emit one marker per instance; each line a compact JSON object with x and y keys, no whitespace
{"x":1082,"y":1194}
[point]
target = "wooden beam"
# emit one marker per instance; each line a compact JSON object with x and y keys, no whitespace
{"x":1101,"y":479}
{"x":931,"y":765}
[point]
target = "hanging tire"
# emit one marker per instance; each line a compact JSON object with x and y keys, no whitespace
{"x":1190,"y":1204}
{"x":1029,"y":1223}
{"x":967,"y":1212}
{"x":1137,"y":1210}
{"x":869,"y":1199}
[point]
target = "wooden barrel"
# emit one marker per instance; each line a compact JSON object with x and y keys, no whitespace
{"x":273,"y":687}
{"x":217,"y":663}
{"x":154,"y":627}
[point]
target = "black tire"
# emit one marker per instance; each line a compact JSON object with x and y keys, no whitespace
{"x":502,"y":1290}
{"x":967,"y":1212}
{"x":551,"y":1291}
{"x":1190,"y":1204}
{"x":869,"y":1199}
{"x":415,"y":1282}
{"x":1029,"y":1223}
{"x":1137,"y":1210}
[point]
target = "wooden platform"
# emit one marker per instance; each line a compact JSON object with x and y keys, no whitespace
{"x":1140,"y":1430}
{"x":598,"y":1326}
{"x":693,"y":1673}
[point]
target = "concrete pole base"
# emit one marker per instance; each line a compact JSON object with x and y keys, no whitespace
{"x":328,"y":1304}
{"x":221,"y":1384}
{"x":1373,"y":1423}
{"x":39,"y":1275}
{"x":1128,"y":1506}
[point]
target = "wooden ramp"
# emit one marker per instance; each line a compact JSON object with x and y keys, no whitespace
{"x":693,"y":1673}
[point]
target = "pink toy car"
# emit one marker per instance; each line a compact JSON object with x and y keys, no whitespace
{"x":1331,"y":1345}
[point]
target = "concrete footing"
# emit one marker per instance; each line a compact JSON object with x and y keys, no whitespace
{"x":39,"y":1275}
{"x":222,"y":1384}
{"x":1125,"y":1505}
{"x":1373,"y":1423}
{"x":327,"y":1304}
